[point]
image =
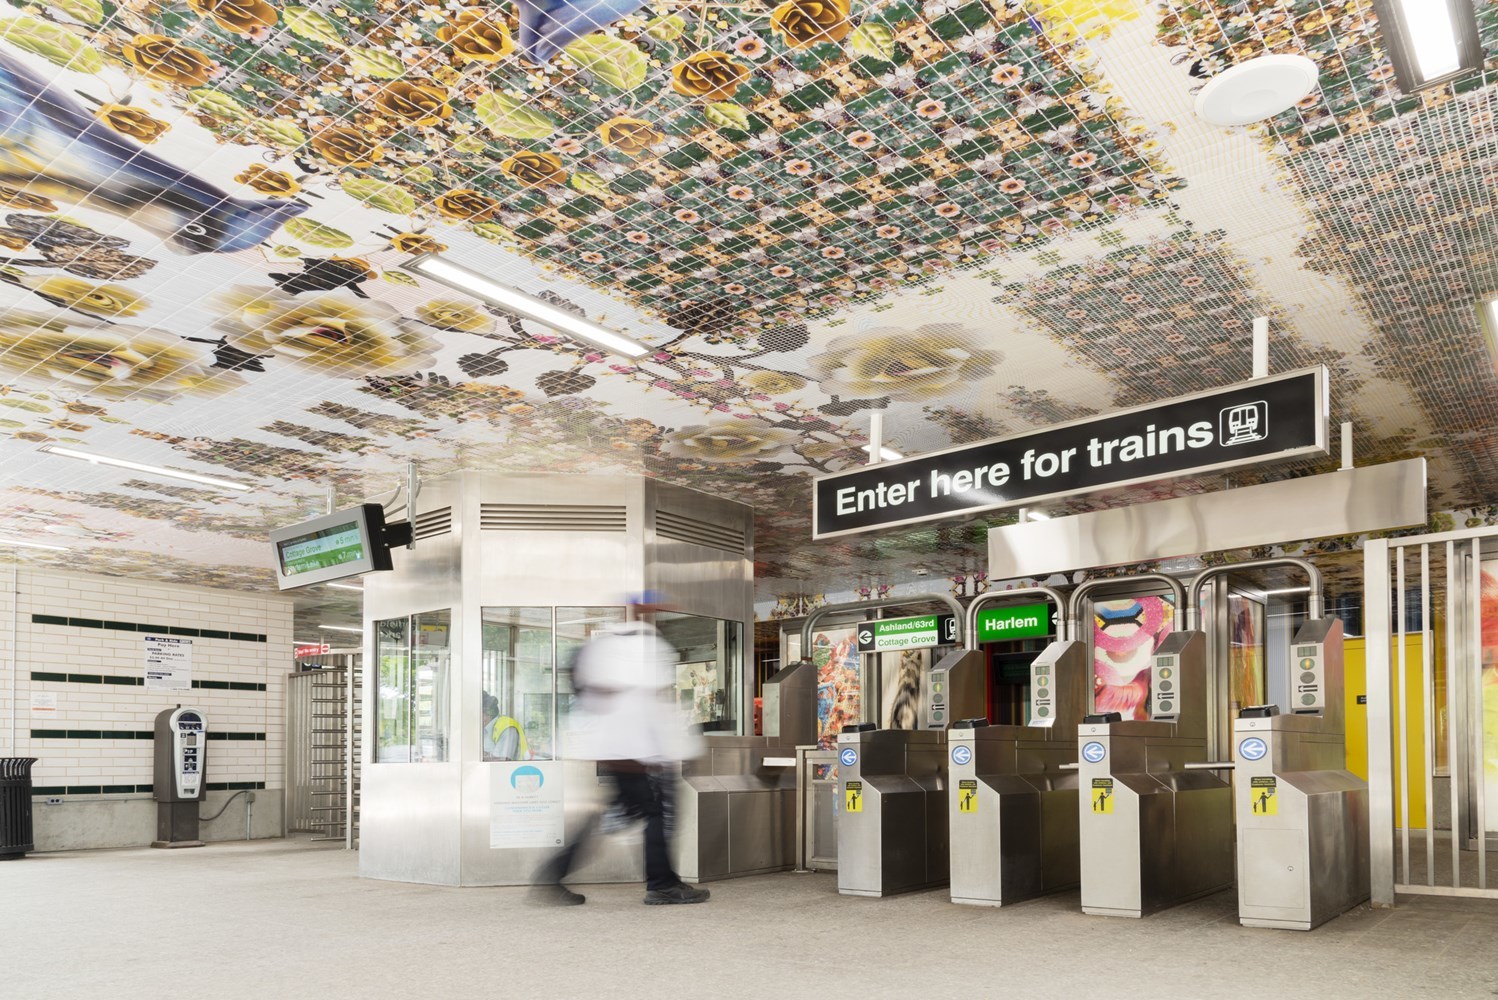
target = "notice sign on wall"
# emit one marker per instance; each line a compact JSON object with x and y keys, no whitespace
{"x":1269,"y":419}
{"x":168,"y":663}
{"x":525,"y":807}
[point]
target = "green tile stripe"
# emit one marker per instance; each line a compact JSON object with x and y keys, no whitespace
{"x":200,"y":633}
{"x":41,"y":791}
{"x":45,"y":675}
{"x":131,"y":734}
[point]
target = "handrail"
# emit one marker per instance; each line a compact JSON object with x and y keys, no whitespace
{"x":1313,"y":601}
{"x":1074,"y":612}
{"x":995,"y":596}
{"x":883,"y":602}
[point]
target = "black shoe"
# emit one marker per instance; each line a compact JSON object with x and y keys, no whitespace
{"x":676,"y":894}
{"x":556,"y":895}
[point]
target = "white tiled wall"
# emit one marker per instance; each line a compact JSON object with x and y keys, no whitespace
{"x":67,"y":649}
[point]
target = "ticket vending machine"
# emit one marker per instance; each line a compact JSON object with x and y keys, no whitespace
{"x":1302,"y":816}
{"x":178,"y":784}
{"x":1012,"y":809}
{"x":1153,"y":831}
{"x":892,"y":783}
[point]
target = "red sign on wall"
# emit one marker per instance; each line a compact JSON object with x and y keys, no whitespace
{"x":302,"y":651}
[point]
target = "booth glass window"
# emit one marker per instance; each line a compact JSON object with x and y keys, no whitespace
{"x":518,"y":679}
{"x":411,"y":707}
{"x":709,"y":656}
{"x":575,"y":626}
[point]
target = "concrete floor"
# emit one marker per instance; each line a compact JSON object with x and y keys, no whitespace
{"x":280,"y":919}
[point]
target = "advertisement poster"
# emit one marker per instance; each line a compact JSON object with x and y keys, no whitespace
{"x":1246,"y":651}
{"x":900,"y":688}
{"x":834,"y":652}
{"x":1125,"y":633}
{"x":525,"y":805}
{"x":1490,"y":686}
{"x":168,"y":663}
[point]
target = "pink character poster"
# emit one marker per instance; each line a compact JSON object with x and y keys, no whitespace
{"x":1125,"y":633}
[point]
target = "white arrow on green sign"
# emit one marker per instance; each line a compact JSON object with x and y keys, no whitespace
{"x":915,"y":632}
{"x":1015,"y":621}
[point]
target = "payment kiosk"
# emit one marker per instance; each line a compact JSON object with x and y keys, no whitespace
{"x":178,"y":783}
{"x":1012,"y":808}
{"x":1153,"y":831}
{"x":1302,"y":816}
{"x":892,"y":820}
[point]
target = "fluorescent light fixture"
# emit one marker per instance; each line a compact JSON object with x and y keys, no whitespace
{"x":444,"y":271}
{"x":885,"y":454}
{"x":1487,"y":318}
{"x":1429,"y":41}
{"x":154,"y":470}
{"x":341,"y":628}
{"x":1288,"y":590}
{"x":1036,"y":515}
{"x":345,"y":586}
{"x":32,"y":545}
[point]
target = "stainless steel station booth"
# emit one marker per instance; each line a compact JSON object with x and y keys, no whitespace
{"x":891,"y":811}
{"x":1153,"y":831}
{"x":1302,"y":817}
{"x":1012,"y":809}
{"x":465,"y":773}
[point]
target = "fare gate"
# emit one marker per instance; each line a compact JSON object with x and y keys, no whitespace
{"x":1430,"y":601}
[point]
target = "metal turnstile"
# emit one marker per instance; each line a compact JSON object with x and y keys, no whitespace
{"x":736,"y":804}
{"x":1302,"y":816}
{"x":892,"y":821}
{"x":1012,"y":811}
{"x":1153,"y":831}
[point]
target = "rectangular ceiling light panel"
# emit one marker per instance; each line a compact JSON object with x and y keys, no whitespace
{"x":480,"y":286}
{"x":1429,"y":41}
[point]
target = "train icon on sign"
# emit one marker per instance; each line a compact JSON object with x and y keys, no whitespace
{"x":1243,"y":423}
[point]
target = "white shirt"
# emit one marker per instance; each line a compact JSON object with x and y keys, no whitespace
{"x":626,"y":676}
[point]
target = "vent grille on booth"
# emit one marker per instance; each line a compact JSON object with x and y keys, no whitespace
{"x":432,"y":522}
{"x":681,"y":528}
{"x":550,"y":517}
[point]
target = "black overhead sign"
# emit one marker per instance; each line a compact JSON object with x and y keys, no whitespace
{"x":1273,"y":418}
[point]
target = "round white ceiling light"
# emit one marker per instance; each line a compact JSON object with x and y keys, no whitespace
{"x":1257,"y":89}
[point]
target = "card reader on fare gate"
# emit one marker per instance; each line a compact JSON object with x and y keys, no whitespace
{"x":181,"y":761}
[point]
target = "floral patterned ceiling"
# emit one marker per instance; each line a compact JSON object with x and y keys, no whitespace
{"x":975,"y":216}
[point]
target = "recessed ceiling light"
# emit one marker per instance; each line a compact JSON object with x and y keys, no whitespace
{"x":341,"y":628}
{"x":1429,"y":41}
{"x":1487,"y":318}
{"x":446,"y":272}
{"x":1036,"y":515}
{"x":885,"y":454}
{"x":155,"y":470}
{"x":1289,"y":590}
{"x":32,"y":545}
{"x":345,"y":586}
{"x":1256,"y":89}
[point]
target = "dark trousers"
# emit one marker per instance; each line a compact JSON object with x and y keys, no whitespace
{"x":639,"y":794}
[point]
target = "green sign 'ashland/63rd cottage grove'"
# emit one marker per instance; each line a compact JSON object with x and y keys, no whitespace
{"x":1016,"y":621}
{"x":915,"y":632}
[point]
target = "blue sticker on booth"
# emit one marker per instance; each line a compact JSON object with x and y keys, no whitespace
{"x":962,"y":754}
{"x":1093,"y":752}
{"x":1252,"y":748}
{"x":848,"y":757}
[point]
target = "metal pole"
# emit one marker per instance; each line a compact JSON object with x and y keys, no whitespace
{"x":885,"y":602}
{"x":1261,"y":347}
{"x":15,"y":642}
{"x":1453,"y":751}
{"x":1346,"y":445}
{"x":993,"y":597}
{"x":1428,"y":693}
{"x":1401,"y":723}
{"x":1380,"y":732}
{"x":1473,"y":671}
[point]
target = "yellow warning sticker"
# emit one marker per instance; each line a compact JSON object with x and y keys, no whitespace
{"x":1264,"y":795}
{"x":853,"y":797}
{"x":1102,"y":796}
{"x":967,"y":796}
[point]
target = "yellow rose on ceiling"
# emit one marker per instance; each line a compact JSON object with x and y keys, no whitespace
{"x":415,"y":243}
{"x":807,"y":22}
{"x":168,"y":60}
{"x":413,"y":102}
{"x":344,"y":146}
{"x":85,"y":296}
{"x":478,"y":35}
{"x":268,"y":181}
{"x":631,"y":136}
{"x":246,"y":17}
{"x":115,"y":361}
{"x":773,"y":383}
{"x":710,"y":75}
{"x":450,"y":314}
{"x":917,"y":365}
{"x":466,"y":204}
{"x":730,"y":442}
{"x":535,"y":169}
{"x":134,"y":122}
{"x":339,"y":335}
{"x":14,"y":197}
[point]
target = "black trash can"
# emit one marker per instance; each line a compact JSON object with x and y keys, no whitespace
{"x":15,"y":807}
